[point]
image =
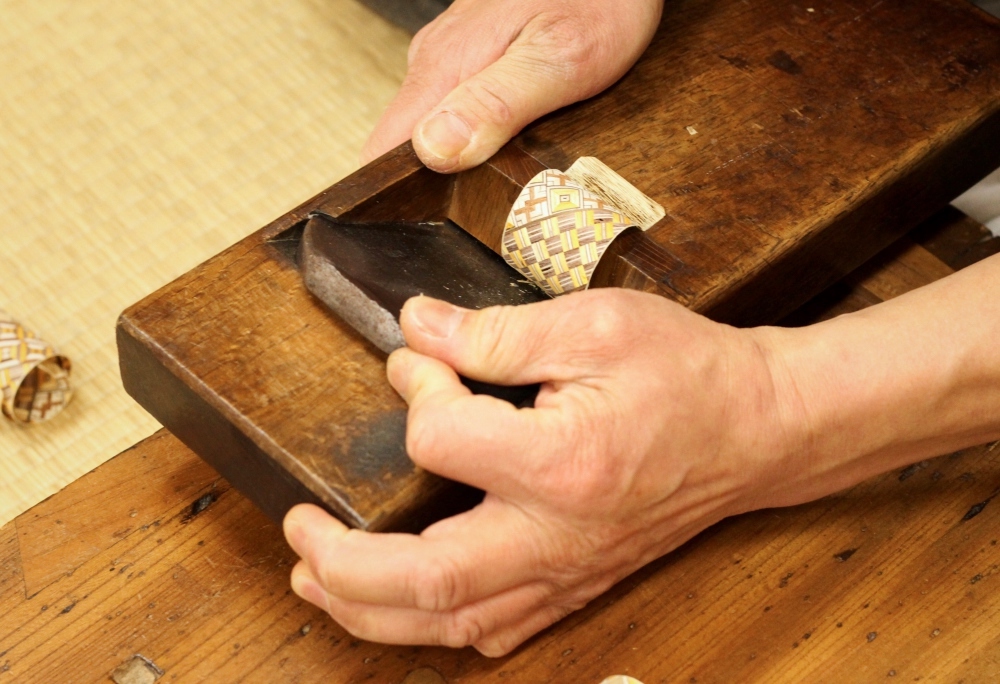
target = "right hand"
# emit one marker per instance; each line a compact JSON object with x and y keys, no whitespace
{"x":484,"y":70}
{"x":651,"y":424}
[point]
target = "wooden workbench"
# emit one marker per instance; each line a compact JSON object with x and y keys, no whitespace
{"x":787,"y":149}
{"x":155,"y":554}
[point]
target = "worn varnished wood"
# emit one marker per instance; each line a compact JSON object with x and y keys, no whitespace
{"x":64,"y":532}
{"x":154,"y":553}
{"x":483,"y":196}
{"x":823,"y":132}
{"x":956,"y":239}
{"x":819,"y":137}
{"x":412,"y":15}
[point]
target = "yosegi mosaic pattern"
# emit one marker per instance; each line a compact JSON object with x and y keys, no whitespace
{"x":34,"y":379}
{"x":557,"y":231}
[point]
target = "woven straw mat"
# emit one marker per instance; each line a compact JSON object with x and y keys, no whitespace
{"x":138,"y":139}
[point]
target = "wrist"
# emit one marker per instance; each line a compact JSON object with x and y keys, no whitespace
{"x":878,"y":389}
{"x":775,"y":439}
{"x":810,"y":416}
{"x":847,"y":406}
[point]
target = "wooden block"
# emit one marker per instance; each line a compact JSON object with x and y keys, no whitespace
{"x":910,"y":267}
{"x":891,"y":580}
{"x":409,"y":14}
{"x":957,"y":239}
{"x":787,"y":146}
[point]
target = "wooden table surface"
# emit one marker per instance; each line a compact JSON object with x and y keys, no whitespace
{"x":896,"y":579}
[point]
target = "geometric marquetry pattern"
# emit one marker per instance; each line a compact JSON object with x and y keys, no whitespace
{"x":557,"y":231}
{"x":34,"y":379}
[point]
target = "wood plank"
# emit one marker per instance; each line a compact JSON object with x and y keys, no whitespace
{"x":61,"y":533}
{"x":905,"y":267}
{"x":892,"y":578}
{"x":763,"y":597}
{"x":956,"y":239}
{"x":815,"y":147}
{"x":11,"y":577}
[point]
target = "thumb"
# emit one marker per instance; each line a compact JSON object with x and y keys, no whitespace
{"x":508,"y":345}
{"x":541,"y":71}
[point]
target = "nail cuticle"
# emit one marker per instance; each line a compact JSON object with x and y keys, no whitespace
{"x":444,"y":136}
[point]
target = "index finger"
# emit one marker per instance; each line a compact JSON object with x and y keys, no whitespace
{"x":476,"y":439}
{"x":474,"y":555}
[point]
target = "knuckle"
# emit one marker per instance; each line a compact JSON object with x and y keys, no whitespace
{"x":595,"y":480}
{"x":440,"y":34}
{"x":506,"y":640}
{"x":414,"y":50}
{"x":568,"y":43}
{"x":608,"y":322}
{"x":413,"y":53}
{"x":358,"y":623}
{"x":461,"y":629}
{"x":489,"y":99}
{"x":491,"y":333}
{"x":436,"y":585}
{"x":493,"y":647}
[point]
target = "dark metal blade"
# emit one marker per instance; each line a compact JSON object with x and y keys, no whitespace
{"x":365,"y":272}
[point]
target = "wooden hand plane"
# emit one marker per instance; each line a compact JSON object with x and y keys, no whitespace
{"x":787,"y":147}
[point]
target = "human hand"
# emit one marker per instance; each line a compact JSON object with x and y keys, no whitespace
{"x":652,"y":423}
{"x":483,"y":70}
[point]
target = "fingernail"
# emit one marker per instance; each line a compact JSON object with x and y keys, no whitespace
{"x":397,"y":369}
{"x":445,"y":136}
{"x":309,"y":590}
{"x":293,"y":533}
{"x":435,"y":318}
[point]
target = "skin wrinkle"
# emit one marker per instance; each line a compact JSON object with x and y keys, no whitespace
{"x":463,"y":630}
{"x":572,"y":475}
{"x":480,"y":357}
{"x":791,"y":412}
{"x":437,"y":584}
{"x":493,"y":108}
{"x":553,"y":562}
{"x":507,"y":641}
{"x":563,"y":47}
{"x":539,"y":592}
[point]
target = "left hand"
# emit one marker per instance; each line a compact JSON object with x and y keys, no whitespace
{"x":652,"y":424}
{"x":483,"y":70}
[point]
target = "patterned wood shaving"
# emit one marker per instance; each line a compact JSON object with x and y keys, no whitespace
{"x":558,"y":230}
{"x":34,"y":379}
{"x":601,"y":179}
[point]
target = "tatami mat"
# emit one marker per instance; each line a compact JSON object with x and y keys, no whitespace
{"x":138,"y":139}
